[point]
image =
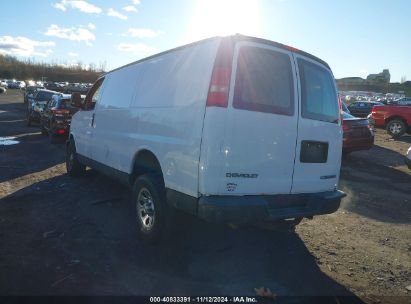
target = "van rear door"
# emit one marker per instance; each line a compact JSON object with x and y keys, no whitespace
{"x":261,"y":126}
{"x":319,"y":142}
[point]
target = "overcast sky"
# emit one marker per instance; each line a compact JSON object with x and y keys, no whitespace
{"x":356,"y":37}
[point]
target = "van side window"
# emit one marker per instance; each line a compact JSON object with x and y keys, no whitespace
{"x":93,"y":95}
{"x":264,"y":82}
{"x":319,"y":99}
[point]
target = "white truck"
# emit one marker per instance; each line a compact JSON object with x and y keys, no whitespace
{"x":230,"y":129}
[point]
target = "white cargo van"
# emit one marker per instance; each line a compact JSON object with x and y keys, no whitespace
{"x":231,"y":129}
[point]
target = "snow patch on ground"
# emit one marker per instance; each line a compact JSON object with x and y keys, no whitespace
{"x":8,"y":141}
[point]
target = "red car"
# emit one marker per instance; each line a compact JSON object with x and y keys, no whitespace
{"x":357,"y":134}
{"x":395,"y":118}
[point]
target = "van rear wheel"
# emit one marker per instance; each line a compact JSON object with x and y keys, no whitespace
{"x":282,"y":225}
{"x":73,"y":166}
{"x":152,"y":214}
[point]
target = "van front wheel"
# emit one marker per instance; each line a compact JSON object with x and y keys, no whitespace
{"x":73,"y":166}
{"x":149,"y":200}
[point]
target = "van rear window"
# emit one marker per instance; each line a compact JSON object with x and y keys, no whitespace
{"x":319,"y":98}
{"x":264,"y":81}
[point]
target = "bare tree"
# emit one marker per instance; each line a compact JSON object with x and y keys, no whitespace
{"x":28,"y":69}
{"x":103,"y":66}
{"x":403,"y":78}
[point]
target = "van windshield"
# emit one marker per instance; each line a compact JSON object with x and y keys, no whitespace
{"x":318,"y":94}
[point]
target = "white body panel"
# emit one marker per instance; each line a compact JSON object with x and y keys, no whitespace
{"x":82,"y":131}
{"x":157,"y":105}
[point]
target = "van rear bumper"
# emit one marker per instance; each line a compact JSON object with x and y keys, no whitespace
{"x":242,"y":209}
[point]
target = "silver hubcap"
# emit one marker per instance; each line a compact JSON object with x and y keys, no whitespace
{"x":395,"y":128}
{"x":145,"y":208}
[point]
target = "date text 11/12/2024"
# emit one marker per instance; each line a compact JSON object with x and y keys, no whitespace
{"x":203,"y":300}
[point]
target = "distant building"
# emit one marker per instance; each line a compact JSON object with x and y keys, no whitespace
{"x":384,"y":77}
{"x":350,"y":80}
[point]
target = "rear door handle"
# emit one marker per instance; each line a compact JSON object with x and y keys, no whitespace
{"x":92,"y":119}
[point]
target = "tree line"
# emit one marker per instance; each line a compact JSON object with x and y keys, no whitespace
{"x":13,"y":68}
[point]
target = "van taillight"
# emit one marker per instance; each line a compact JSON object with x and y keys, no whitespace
{"x":220,"y":78}
{"x":341,"y":109}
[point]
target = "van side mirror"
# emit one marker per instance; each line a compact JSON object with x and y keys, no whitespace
{"x":76,"y":100}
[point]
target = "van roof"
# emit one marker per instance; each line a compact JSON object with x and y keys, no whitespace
{"x":239,"y":37}
{"x":235,"y":38}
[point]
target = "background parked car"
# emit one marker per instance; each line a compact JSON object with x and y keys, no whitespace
{"x":10,"y":83}
{"x":396,"y":119}
{"x":76,"y":87}
{"x":405,"y":101}
{"x":29,"y":92}
{"x":357,"y":134}
{"x":20,"y":84}
{"x":3,"y":83}
{"x":36,"y":105}
{"x":54,"y":86}
{"x":362,"y":108}
{"x":56,"y":116}
{"x":15,"y":84}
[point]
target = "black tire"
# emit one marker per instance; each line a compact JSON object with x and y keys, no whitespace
{"x":43,"y":130}
{"x":73,"y":166}
{"x":153,"y":215}
{"x":396,"y":128}
{"x":282,"y":225}
{"x":291,"y":225}
{"x":28,"y":120}
{"x":53,"y":138}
